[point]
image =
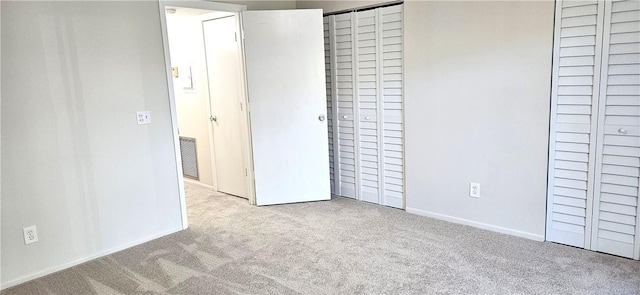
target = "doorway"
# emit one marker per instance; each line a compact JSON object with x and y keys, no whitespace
{"x":284,"y":129}
{"x":209,"y":98}
{"x":207,"y":74}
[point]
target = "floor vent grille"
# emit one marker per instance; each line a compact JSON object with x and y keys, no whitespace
{"x":189,"y":158}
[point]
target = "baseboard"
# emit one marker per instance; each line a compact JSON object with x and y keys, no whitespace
{"x":198,"y":183}
{"x":83,"y":260}
{"x":480,"y":225}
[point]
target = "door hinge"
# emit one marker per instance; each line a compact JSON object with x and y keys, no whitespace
{"x":246,"y":173}
{"x":235,"y":36}
{"x":241,"y":107}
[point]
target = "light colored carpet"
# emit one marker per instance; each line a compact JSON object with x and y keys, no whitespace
{"x":337,"y":247}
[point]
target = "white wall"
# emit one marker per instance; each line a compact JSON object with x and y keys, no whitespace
{"x":74,"y":161}
{"x":477,"y":95}
{"x":192,"y":105}
{"x":477,"y":99}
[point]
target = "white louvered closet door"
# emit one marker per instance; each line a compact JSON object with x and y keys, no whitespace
{"x":594,"y":161}
{"x":576,"y":77}
{"x":368,"y":104}
{"x":345,"y":95}
{"x":379,"y":75}
{"x":392,"y":144}
{"x":367,"y":82}
{"x":616,"y":222}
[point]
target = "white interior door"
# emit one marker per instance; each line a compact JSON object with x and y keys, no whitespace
{"x":224,"y":68}
{"x":284,"y":55}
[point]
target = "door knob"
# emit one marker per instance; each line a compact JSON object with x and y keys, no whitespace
{"x":367,"y":118}
{"x":213,"y":119}
{"x":622,"y":131}
{"x":321,"y":118}
{"x":344,"y":117}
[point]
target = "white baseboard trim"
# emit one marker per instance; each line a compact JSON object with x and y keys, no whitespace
{"x":480,"y":225}
{"x":198,"y":183}
{"x":64,"y":266}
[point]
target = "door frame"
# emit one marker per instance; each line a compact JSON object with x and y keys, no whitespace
{"x":214,"y":6}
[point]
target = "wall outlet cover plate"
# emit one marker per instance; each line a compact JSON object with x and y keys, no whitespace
{"x":474,"y":190}
{"x":30,"y":235}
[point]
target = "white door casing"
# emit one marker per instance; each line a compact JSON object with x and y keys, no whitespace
{"x":285,"y":72}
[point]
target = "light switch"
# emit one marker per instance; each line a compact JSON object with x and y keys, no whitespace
{"x":144,"y":117}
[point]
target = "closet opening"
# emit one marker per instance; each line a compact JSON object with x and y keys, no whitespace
{"x":364,"y":62}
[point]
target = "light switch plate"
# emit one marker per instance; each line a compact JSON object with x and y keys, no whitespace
{"x":144,"y":117}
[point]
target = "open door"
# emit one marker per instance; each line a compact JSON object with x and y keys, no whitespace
{"x":284,"y":52}
{"x":224,"y":70}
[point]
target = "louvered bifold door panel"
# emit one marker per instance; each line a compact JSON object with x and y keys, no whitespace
{"x":575,"y":87}
{"x":346,"y":104}
{"x":392,"y":107}
{"x":368,"y":104}
{"x":328,"y":55}
{"x":616,"y":211}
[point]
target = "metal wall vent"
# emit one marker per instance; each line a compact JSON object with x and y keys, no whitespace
{"x":189,"y":157}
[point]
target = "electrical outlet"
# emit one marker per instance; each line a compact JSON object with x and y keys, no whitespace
{"x":30,"y":235}
{"x":474,"y":190}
